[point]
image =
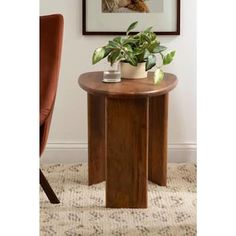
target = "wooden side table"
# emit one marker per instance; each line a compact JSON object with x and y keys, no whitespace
{"x":127,"y":136}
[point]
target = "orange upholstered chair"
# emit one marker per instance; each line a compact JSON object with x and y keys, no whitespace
{"x":51,"y":36}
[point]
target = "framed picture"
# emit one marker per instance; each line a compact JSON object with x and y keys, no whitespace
{"x":112,"y":17}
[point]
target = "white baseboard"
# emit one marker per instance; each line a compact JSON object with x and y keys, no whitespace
{"x":69,"y":153}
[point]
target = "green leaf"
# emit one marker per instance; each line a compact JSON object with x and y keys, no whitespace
{"x":145,"y":37}
{"x":113,"y":44}
{"x":128,"y":48}
{"x":107,"y":51}
{"x":158,"y":76}
{"x":137,"y":51}
{"x":159,"y":49}
{"x":129,"y":57}
{"x":146,"y":54}
{"x":130,"y":41}
{"x":152,"y":46}
{"x":118,"y":39}
{"x":168,"y":58}
{"x":151,"y":35}
{"x":131,"y":27}
{"x":114,"y":56}
{"x":148,"y":29}
{"x":151,"y":61}
{"x":98,"y":55}
{"x":136,"y":36}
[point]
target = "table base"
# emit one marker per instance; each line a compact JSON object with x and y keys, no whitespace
{"x":127,"y":142}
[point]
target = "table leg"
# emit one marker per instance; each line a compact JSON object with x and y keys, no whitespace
{"x":126,"y":152}
{"x":158,"y":120}
{"x":96,"y":139}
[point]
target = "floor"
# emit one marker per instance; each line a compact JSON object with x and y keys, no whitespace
{"x":171,"y":210}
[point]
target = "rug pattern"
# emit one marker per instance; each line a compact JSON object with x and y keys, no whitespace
{"x":171,"y":210}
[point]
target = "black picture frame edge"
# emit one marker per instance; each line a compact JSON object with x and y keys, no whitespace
{"x":85,"y":32}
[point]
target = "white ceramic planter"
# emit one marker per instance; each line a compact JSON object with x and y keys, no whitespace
{"x":133,"y":72}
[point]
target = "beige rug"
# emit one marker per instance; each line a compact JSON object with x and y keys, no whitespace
{"x":171,"y":211}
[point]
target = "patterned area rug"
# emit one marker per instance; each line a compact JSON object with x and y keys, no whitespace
{"x":171,"y":210}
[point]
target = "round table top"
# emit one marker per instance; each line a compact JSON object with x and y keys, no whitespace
{"x":92,"y":83}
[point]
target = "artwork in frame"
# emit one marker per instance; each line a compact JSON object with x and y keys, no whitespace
{"x":111,"y":17}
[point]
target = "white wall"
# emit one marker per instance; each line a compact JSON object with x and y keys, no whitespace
{"x":68,"y":135}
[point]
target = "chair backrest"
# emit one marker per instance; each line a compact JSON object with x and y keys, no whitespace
{"x":51,"y":36}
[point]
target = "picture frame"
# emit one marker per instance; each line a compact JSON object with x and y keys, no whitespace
{"x":94,"y":24}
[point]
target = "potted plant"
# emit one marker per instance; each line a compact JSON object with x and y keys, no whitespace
{"x":136,"y":54}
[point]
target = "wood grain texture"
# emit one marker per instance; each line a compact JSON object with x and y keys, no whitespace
{"x":127,"y":127}
{"x":126,"y":152}
{"x":96,"y":139}
{"x":92,"y":83}
{"x":157,"y":158}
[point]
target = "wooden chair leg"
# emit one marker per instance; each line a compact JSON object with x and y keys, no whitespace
{"x":47,"y":189}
